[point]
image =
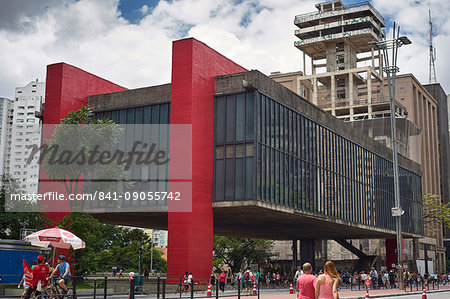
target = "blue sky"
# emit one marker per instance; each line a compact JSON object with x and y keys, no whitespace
{"x":130,"y":9}
{"x":129,"y":41}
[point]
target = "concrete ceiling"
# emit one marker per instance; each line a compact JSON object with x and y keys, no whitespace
{"x":257,"y":219}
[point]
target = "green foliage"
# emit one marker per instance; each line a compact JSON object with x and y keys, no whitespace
{"x":110,"y":245}
{"x":67,"y":160}
{"x":12,"y":222}
{"x":435,"y":212}
{"x":239,"y":253}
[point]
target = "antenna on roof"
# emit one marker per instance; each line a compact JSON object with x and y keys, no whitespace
{"x":432,"y":69}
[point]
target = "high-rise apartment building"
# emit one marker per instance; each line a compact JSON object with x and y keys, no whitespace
{"x":159,"y":237}
{"x":5,"y":125}
{"x":346,"y":80}
{"x":25,"y":130}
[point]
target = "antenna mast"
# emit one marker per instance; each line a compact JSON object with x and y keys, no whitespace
{"x":432,"y":70}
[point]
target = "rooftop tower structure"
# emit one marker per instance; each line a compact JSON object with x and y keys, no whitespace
{"x":345,"y":71}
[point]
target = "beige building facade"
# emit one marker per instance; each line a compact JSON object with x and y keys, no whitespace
{"x":346,"y":81}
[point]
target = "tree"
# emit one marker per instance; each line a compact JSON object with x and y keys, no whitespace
{"x":68,"y":157}
{"x":12,"y":222}
{"x":109,"y":245}
{"x":239,"y":253}
{"x":436,"y":213}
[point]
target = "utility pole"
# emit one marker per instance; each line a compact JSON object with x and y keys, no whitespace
{"x":140,"y":254}
{"x":391,"y":70}
{"x":151,"y":254}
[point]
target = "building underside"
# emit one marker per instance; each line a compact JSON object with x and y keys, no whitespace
{"x":256,"y":219}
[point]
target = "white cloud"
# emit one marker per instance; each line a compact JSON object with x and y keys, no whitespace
{"x":258,"y":34}
{"x":412,"y":17}
{"x":144,"y":9}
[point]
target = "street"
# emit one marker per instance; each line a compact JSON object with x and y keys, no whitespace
{"x":441,"y":295}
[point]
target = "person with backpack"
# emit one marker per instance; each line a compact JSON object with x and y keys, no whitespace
{"x":40,"y":273}
{"x":248,"y":280}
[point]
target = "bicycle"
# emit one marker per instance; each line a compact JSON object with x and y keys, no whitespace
{"x":55,"y":291}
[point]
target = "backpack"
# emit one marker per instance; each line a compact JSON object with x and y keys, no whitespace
{"x":246,"y":275}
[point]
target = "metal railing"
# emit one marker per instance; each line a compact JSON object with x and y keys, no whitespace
{"x":347,"y":7}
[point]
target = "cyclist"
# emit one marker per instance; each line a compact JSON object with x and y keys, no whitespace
{"x":40,"y":273}
{"x":64,"y":273}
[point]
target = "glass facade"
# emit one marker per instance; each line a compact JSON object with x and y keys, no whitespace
{"x":150,"y":114}
{"x":269,"y":152}
{"x":137,"y":126}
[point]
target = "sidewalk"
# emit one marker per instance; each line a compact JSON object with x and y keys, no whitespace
{"x":347,"y":294}
{"x":386,"y":293}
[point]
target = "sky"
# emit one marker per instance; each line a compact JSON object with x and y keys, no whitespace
{"x":129,"y":41}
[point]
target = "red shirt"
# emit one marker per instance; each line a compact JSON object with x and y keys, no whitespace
{"x":306,"y":284}
{"x":40,"y":272}
{"x":223,"y":277}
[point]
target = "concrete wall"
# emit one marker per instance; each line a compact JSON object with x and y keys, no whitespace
{"x":130,"y":98}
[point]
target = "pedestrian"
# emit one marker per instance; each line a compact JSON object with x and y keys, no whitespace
{"x":306,"y":283}
{"x":212,"y":281}
{"x":391,"y":279}
{"x":25,"y":286}
{"x":327,"y":284}
{"x":278,"y":279}
{"x":284,"y":279}
{"x":298,"y":273}
{"x":185,"y":282}
{"x":222,"y":280}
{"x":241,"y":279}
{"x":234,"y":279}
{"x":248,"y":280}
{"x":190,"y":280}
{"x":40,"y":273}
{"x":257,"y":276}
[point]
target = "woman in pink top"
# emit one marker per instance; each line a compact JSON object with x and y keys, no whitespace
{"x":222,"y":280}
{"x":327,"y":284}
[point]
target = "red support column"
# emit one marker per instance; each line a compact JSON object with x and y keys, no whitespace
{"x":391,"y":254}
{"x":67,"y":89}
{"x":194,"y":67}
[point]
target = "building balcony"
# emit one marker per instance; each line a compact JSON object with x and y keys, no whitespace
{"x":312,"y":18}
{"x":345,"y":103}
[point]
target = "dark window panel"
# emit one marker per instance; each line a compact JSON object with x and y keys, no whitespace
{"x":164,"y":114}
{"x":277,"y":127}
{"x":229,"y":179}
{"x":146,"y":116}
{"x":219,"y":180}
{"x":155,"y":114}
{"x":220,"y":119}
{"x":250,"y":117}
{"x":259,"y":173}
{"x":240,"y":117}
{"x":249,"y":177}
{"x":239,"y":179}
{"x":230,"y":120}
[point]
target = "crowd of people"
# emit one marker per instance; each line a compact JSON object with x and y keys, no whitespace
{"x":305,"y":279}
{"x":389,"y":279}
{"x":326,"y":282}
{"x":42,"y":274}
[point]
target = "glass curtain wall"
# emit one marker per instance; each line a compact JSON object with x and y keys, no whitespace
{"x":304,"y":165}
